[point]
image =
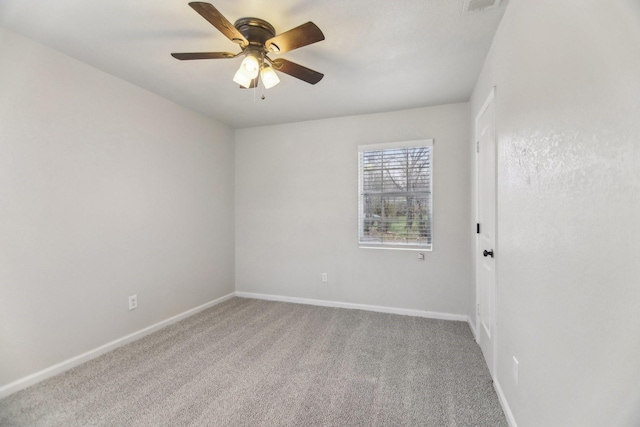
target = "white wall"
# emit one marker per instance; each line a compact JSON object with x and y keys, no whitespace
{"x":106,"y":190}
{"x":296,"y":213}
{"x":568,"y":250}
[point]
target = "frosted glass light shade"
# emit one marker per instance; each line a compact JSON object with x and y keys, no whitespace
{"x":251,"y":66}
{"x":269,"y":77}
{"x":242,"y":78}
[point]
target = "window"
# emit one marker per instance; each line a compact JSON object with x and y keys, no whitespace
{"x":395,"y":206}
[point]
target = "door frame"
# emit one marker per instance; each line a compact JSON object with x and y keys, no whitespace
{"x":490,"y":99}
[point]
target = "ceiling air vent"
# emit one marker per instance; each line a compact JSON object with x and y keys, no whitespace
{"x":479,"y":5}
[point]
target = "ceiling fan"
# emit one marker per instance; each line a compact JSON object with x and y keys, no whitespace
{"x":257,"y":39}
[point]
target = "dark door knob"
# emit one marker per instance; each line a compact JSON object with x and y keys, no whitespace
{"x":488,"y":253}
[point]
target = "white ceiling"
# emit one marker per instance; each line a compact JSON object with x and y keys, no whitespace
{"x":377,"y":55}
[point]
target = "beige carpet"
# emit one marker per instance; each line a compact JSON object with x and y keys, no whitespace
{"x":258,"y":363}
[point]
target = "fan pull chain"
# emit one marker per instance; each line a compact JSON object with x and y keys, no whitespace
{"x":262,"y":97}
{"x":261,"y":88}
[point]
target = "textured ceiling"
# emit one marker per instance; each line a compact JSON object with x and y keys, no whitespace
{"x":377,"y":56}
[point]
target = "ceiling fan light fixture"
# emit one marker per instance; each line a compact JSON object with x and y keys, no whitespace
{"x":268,"y":76}
{"x":249,"y":69}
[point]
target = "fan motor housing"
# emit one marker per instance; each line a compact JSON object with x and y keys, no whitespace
{"x":256,"y":31}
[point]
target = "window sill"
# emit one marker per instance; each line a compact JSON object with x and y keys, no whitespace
{"x":398,"y":248}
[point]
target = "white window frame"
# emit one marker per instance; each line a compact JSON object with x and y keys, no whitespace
{"x":367,"y":243}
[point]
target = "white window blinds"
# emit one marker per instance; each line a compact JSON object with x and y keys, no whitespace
{"x":395,"y":204}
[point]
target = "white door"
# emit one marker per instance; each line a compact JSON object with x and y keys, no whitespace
{"x":486,"y":236}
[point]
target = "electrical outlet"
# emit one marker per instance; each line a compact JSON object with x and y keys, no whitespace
{"x":325,"y":279}
{"x":133,"y":302}
{"x":516,"y":366}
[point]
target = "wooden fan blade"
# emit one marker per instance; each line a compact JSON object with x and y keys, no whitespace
{"x":215,"y":18}
{"x":297,"y":71}
{"x":300,"y":36}
{"x":203,"y":55}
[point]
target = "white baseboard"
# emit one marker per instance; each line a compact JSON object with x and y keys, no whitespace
{"x":505,"y":405}
{"x":65,"y":365}
{"x":381,"y":309}
{"x":473,"y":328}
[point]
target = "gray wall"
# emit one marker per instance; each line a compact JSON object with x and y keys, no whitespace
{"x":568,"y":125}
{"x":106,"y":190}
{"x":296,"y":213}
